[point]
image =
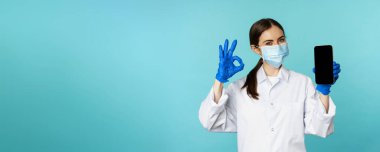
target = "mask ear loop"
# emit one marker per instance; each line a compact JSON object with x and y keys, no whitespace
{"x":258,"y":47}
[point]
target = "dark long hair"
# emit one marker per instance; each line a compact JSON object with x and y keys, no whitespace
{"x":254,"y":36}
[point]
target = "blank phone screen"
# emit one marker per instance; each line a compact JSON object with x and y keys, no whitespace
{"x":323,"y":57}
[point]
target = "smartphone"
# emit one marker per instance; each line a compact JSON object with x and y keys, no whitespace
{"x":323,"y":60}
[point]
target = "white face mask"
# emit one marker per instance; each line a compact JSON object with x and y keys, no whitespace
{"x":275,"y":54}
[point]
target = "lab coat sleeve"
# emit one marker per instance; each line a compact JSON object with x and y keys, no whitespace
{"x":219,"y":117}
{"x":316,"y":120}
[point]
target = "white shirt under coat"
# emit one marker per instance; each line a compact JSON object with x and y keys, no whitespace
{"x":287,"y":109}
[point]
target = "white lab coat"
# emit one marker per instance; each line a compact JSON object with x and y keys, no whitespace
{"x":278,"y":121}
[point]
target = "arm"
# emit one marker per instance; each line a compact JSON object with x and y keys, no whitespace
{"x":218,"y":111}
{"x":219,"y":115}
{"x":317,"y":119}
{"x":319,"y":107}
{"x":218,"y":88}
{"x":325,"y":101}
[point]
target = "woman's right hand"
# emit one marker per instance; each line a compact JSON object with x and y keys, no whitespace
{"x":226,"y":62}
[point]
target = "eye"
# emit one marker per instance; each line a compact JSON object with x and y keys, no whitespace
{"x":282,"y":40}
{"x":268,"y":43}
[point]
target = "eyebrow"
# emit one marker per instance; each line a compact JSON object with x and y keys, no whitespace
{"x":268,"y":41}
{"x":281,"y":37}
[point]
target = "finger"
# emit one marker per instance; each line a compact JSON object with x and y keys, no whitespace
{"x":336,"y":66}
{"x":239,"y":68}
{"x":336,"y":75}
{"x":236,"y":58}
{"x":232,"y":49}
{"x":221,"y":51}
{"x":336,"y":71}
{"x":336,"y":78}
{"x":241,"y":64}
{"x":225,"y":47}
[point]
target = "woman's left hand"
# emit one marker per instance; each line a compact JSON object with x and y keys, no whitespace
{"x":325,"y":88}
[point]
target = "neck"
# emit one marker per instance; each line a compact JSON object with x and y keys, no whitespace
{"x":269,"y":70}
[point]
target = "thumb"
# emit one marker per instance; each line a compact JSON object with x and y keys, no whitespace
{"x":241,"y":64}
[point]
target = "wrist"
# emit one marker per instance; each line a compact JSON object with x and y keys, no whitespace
{"x":324,"y":89}
{"x":220,"y":78}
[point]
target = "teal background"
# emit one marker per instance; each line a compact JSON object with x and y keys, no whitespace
{"x":113,"y":75}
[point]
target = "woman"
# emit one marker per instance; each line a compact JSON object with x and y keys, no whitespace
{"x":272,"y":107}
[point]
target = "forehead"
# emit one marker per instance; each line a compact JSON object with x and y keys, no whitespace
{"x":272,"y":33}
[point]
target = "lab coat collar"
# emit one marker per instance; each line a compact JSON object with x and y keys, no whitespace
{"x":283,"y":74}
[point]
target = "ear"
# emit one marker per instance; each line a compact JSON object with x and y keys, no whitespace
{"x":256,"y":50}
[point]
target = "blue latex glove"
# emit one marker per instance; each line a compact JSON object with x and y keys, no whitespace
{"x":226,"y":62}
{"x":325,"y":88}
